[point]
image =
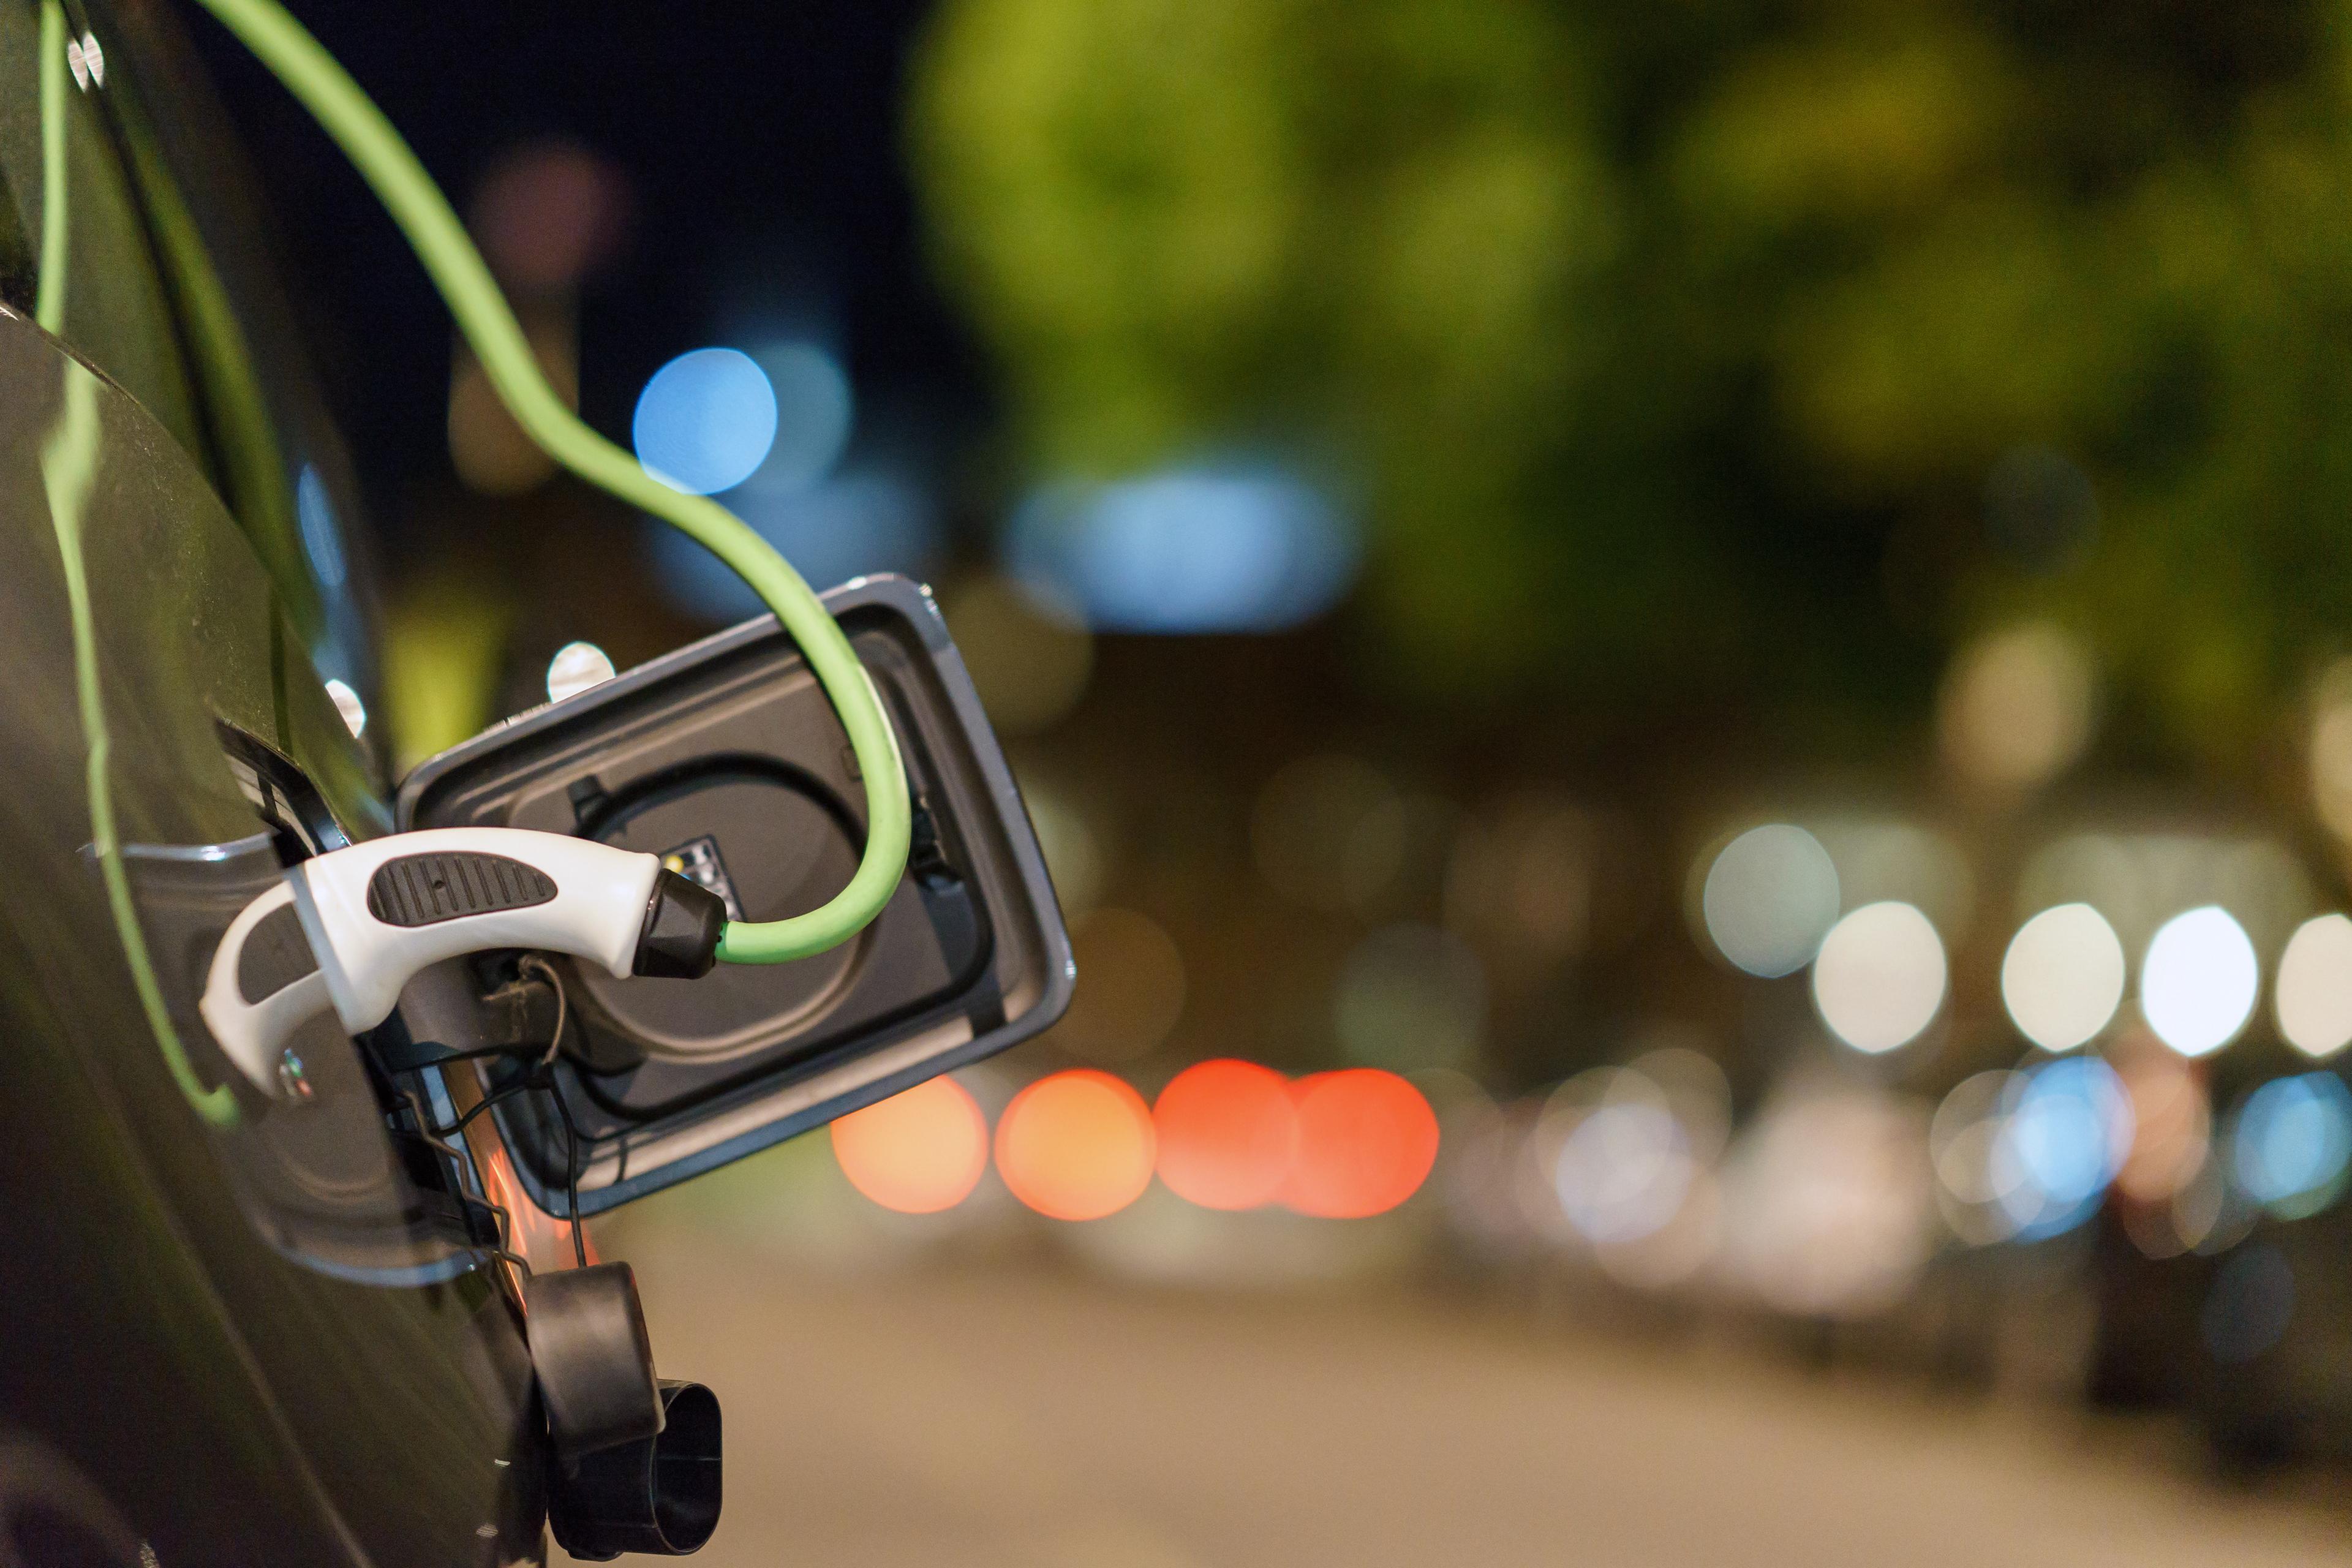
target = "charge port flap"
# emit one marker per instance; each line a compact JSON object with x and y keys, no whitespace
{"x":726,"y":760}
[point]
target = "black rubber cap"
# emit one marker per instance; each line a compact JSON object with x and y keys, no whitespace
{"x":592,"y":1358}
{"x":659,"y":1495}
{"x":683,"y":920}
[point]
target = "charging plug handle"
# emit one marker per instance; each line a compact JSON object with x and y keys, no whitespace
{"x":346,"y":930}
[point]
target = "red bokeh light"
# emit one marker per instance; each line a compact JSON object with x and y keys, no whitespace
{"x":1367,"y":1140}
{"x":1228,"y":1134}
{"x":1076,"y":1145}
{"x":918,"y":1152}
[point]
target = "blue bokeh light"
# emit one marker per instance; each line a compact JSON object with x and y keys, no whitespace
{"x":851,"y":526}
{"x":2069,"y":1133}
{"x":706,"y":421}
{"x":1193,"y":550}
{"x":2293,"y":1140}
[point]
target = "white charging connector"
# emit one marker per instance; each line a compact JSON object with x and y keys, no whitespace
{"x":349,"y":929}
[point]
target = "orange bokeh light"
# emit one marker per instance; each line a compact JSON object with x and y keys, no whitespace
{"x":1076,"y":1145}
{"x":917,"y":1152}
{"x":1228,"y":1134}
{"x":1367,"y":1140}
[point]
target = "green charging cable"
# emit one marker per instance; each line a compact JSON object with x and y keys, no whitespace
{"x":464,"y":280}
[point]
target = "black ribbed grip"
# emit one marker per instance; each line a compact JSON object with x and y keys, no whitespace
{"x":276,"y":954}
{"x":425,"y":889}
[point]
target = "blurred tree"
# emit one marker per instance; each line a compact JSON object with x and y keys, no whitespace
{"x":1706,"y":351}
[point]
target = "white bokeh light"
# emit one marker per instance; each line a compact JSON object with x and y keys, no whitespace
{"x":2198,"y":983}
{"x":576,"y":667}
{"x":1879,"y":979}
{"x":1975,"y":1167}
{"x":347,"y":703}
{"x":2314,"y":987}
{"x":1768,"y":898}
{"x":2063,"y":978}
{"x":1623,"y":1169}
{"x":2019,"y":706}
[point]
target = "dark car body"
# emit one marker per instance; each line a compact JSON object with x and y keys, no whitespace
{"x":238,"y":1330}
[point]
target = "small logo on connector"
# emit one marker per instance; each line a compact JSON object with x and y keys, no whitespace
{"x":697,"y":861}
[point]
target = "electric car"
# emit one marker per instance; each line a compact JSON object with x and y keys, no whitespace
{"x":285,"y":1321}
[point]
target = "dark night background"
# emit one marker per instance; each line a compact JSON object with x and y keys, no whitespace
{"x":774,"y":135}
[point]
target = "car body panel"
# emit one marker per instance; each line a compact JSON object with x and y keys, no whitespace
{"x":233,"y":1323}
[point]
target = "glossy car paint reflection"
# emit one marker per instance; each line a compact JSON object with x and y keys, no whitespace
{"x":236,"y":1399}
{"x":242,"y":1324}
{"x":51,"y":1512}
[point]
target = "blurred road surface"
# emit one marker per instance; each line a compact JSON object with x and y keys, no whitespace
{"x":1035,"y":1419}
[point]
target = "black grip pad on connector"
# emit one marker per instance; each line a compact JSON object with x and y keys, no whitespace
{"x":276,"y":954}
{"x":425,"y":889}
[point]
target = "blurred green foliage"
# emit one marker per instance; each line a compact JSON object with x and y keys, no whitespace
{"x":1704,"y":349}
